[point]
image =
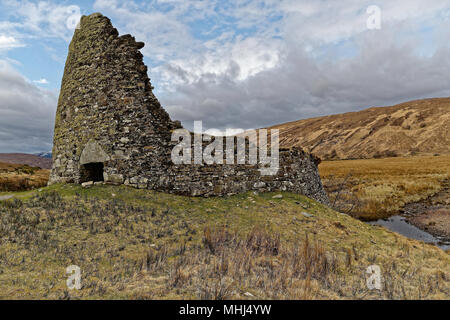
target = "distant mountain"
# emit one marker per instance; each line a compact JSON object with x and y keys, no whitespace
{"x":411,"y":128}
{"x":47,"y":155}
{"x":29,"y":159}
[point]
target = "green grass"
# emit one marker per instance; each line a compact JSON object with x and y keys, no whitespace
{"x":140,"y":244}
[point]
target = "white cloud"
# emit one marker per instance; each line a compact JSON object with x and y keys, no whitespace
{"x":255,"y":63}
{"x":300,"y":59}
{"x":41,"y":81}
{"x":26,"y":113}
{"x":333,"y":21}
{"x":43,"y":19}
{"x":7,"y":43}
{"x":240,"y":59}
{"x":223,"y":133}
{"x":170,"y":38}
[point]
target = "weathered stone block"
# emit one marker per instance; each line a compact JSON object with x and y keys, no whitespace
{"x":93,"y":153}
{"x":113,"y":178}
{"x":87,"y":184}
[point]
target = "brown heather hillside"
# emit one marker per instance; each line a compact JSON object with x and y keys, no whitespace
{"x":28,"y":159}
{"x":20,"y":177}
{"x":413,"y":128}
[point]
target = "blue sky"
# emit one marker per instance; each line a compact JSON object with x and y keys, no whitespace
{"x":233,"y":64}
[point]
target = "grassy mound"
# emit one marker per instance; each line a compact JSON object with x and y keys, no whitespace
{"x":139,"y":244}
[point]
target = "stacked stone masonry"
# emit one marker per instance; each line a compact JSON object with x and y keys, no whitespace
{"x":109,"y":126}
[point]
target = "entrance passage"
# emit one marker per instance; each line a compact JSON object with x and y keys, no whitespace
{"x":92,"y":172}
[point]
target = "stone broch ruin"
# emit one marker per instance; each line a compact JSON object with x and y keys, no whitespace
{"x":110,"y":127}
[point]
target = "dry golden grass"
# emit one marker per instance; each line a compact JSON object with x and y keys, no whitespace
{"x":377,"y":188}
{"x":140,"y":244}
{"x":412,"y":128}
{"x":16,"y":177}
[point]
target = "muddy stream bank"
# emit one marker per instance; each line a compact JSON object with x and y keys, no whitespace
{"x":427,"y":220}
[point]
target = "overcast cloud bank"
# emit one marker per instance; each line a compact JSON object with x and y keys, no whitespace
{"x":242,"y":64}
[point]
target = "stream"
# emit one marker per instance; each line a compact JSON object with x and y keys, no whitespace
{"x":399,"y":225}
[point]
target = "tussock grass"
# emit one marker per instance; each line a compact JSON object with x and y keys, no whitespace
{"x":378,"y":188}
{"x":139,"y":244}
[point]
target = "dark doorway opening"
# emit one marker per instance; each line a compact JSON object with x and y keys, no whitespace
{"x":92,"y":172}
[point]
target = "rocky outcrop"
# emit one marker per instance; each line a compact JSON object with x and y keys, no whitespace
{"x":110,"y":127}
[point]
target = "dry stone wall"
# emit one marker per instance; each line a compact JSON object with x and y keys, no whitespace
{"x":110,"y":127}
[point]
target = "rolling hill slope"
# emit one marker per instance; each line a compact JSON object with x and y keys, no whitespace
{"x":28,"y":159}
{"x":413,"y":128}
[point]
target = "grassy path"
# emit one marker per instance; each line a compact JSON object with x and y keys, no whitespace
{"x":20,"y":195}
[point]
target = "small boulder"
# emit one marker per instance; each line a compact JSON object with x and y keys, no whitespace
{"x":87,"y":184}
{"x":278,"y":196}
